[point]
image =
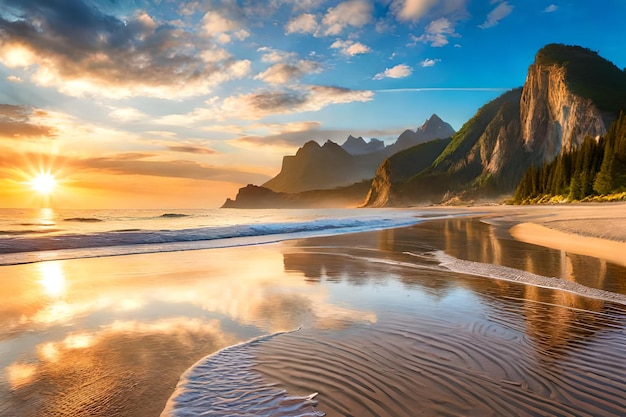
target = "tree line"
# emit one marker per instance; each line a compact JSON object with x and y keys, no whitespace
{"x":595,"y":169}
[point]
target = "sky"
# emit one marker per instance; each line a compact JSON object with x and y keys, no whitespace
{"x":177,"y":104}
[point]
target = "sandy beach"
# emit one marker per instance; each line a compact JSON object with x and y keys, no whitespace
{"x":385,"y":329}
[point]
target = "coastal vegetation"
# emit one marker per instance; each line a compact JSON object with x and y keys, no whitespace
{"x":596,"y":171}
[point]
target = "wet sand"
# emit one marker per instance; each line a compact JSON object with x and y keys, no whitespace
{"x":386,"y":330}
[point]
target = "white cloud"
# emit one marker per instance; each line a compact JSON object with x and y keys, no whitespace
{"x":222,"y":28}
{"x":429,"y":62}
{"x":399,"y":71}
{"x":214,"y":23}
{"x":127,"y":114}
{"x":551,"y":8}
{"x":412,"y":9}
{"x":437,"y":33}
{"x":305,"y":23}
{"x":350,"y":48}
{"x":14,"y":79}
{"x":272,"y":56}
{"x":355,"y":13}
{"x":501,"y":11}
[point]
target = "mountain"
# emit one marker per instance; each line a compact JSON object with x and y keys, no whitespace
{"x":358,"y":146}
{"x":433,"y":128}
{"x":316,"y":167}
{"x":552,"y":114}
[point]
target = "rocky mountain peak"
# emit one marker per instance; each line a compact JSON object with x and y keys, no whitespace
{"x":358,"y":146}
{"x":436,"y":128}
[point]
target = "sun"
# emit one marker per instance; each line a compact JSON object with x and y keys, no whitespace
{"x":43,"y":183}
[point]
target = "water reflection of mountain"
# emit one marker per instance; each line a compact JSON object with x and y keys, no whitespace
{"x":554,"y":320}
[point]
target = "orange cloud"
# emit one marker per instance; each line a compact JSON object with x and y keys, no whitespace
{"x":16,"y":123}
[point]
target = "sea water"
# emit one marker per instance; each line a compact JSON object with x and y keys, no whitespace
{"x":32,"y":235}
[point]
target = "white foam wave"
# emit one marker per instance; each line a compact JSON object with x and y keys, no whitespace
{"x":511,"y":274}
{"x":225,"y":384}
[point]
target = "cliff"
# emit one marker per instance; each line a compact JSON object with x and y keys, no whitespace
{"x":553,"y":118}
{"x":570,"y":93}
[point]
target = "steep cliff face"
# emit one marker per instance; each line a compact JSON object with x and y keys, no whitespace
{"x":553,"y":118}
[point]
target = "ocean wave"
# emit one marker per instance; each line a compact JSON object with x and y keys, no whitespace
{"x":511,"y":274}
{"x":224,"y":384}
{"x":83,"y":219}
{"x":27,"y":249}
{"x":29,"y":231}
{"x":173,"y":215}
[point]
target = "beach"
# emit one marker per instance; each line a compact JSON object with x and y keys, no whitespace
{"x":484,"y":310}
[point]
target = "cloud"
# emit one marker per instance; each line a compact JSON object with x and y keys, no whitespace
{"x":199,"y":150}
{"x":14,"y":79}
{"x":350,"y":48}
{"x":218,"y":26}
{"x":429,"y":62}
{"x":127,"y":114}
{"x":437,"y":33}
{"x":501,"y":11}
{"x":136,"y":164}
{"x":18,"y":122}
{"x":412,"y":9}
{"x":551,"y":8}
{"x":417,"y":9}
{"x":83,"y":51}
{"x":355,"y":13}
{"x":399,"y":71}
{"x":305,"y":23}
{"x":283,"y":73}
{"x":312,"y":98}
{"x":272,"y":56}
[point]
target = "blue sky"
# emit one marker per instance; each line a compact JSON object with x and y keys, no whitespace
{"x":144,"y":103}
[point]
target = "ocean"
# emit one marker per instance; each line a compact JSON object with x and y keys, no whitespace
{"x":369,"y":313}
{"x":33,"y":235}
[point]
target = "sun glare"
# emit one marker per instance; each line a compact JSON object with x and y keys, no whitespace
{"x":43,"y":183}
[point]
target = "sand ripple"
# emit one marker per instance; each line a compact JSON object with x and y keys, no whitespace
{"x":431,"y":366}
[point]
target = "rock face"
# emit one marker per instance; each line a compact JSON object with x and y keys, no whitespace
{"x":554,"y":119}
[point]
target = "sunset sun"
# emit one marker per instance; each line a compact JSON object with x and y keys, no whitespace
{"x":43,"y":183}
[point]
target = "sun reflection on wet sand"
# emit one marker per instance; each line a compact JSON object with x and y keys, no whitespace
{"x":52,"y":278}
